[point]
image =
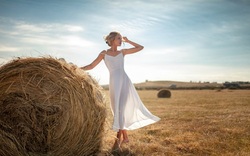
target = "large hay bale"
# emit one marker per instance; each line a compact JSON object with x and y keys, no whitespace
{"x":49,"y":107}
{"x":164,"y":93}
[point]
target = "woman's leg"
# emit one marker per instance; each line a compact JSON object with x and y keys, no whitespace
{"x":125,"y":136}
{"x":119,"y":135}
{"x":117,"y":143}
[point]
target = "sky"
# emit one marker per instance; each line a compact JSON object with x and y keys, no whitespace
{"x":184,"y":40}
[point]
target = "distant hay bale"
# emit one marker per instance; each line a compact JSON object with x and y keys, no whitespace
{"x":164,"y":93}
{"x":49,"y":107}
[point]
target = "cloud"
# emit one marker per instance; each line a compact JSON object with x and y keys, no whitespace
{"x":4,"y":48}
{"x":9,"y":25}
{"x":131,"y":28}
{"x":193,"y":39}
{"x":64,"y":40}
{"x":166,"y":55}
{"x":41,"y":28}
{"x":24,"y":28}
{"x":74,"y":28}
{"x":24,"y":39}
{"x":30,"y":34}
{"x":75,"y":41}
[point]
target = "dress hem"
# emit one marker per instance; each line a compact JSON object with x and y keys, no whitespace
{"x":138,"y":124}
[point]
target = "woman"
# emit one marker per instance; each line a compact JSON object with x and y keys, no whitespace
{"x":128,"y":110}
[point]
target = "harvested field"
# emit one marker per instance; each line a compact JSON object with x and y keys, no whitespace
{"x":193,"y":122}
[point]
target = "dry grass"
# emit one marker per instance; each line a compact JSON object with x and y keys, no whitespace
{"x":49,"y":107}
{"x":204,"y":122}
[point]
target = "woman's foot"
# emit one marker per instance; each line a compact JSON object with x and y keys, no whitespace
{"x":117,"y":145}
{"x":125,"y":141}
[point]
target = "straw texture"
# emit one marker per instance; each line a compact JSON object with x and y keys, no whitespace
{"x":49,"y":107}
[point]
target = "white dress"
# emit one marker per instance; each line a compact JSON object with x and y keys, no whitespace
{"x":128,"y":110}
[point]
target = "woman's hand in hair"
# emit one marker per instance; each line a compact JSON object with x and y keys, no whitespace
{"x":125,"y":39}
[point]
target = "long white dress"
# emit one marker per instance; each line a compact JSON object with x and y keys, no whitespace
{"x":128,"y":110}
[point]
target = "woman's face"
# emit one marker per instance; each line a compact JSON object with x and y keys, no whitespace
{"x":118,"y":40}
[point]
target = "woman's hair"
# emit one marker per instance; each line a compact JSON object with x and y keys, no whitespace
{"x":111,"y":37}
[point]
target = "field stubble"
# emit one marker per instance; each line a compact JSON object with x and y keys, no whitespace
{"x":193,"y":122}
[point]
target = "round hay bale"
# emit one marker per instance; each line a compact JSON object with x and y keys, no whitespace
{"x":164,"y":93}
{"x":49,"y":107}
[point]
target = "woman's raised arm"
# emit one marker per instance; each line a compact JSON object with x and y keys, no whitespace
{"x":137,"y":47}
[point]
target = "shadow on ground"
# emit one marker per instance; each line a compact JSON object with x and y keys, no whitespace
{"x":122,"y":152}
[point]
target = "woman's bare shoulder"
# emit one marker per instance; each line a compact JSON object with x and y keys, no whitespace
{"x":103,"y":52}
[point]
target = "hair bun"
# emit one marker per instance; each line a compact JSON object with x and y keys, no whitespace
{"x":110,"y":37}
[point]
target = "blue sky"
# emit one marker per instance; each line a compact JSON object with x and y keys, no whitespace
{"x":194,"y":40}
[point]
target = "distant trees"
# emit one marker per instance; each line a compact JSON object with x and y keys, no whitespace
{"x":237,"y":85}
